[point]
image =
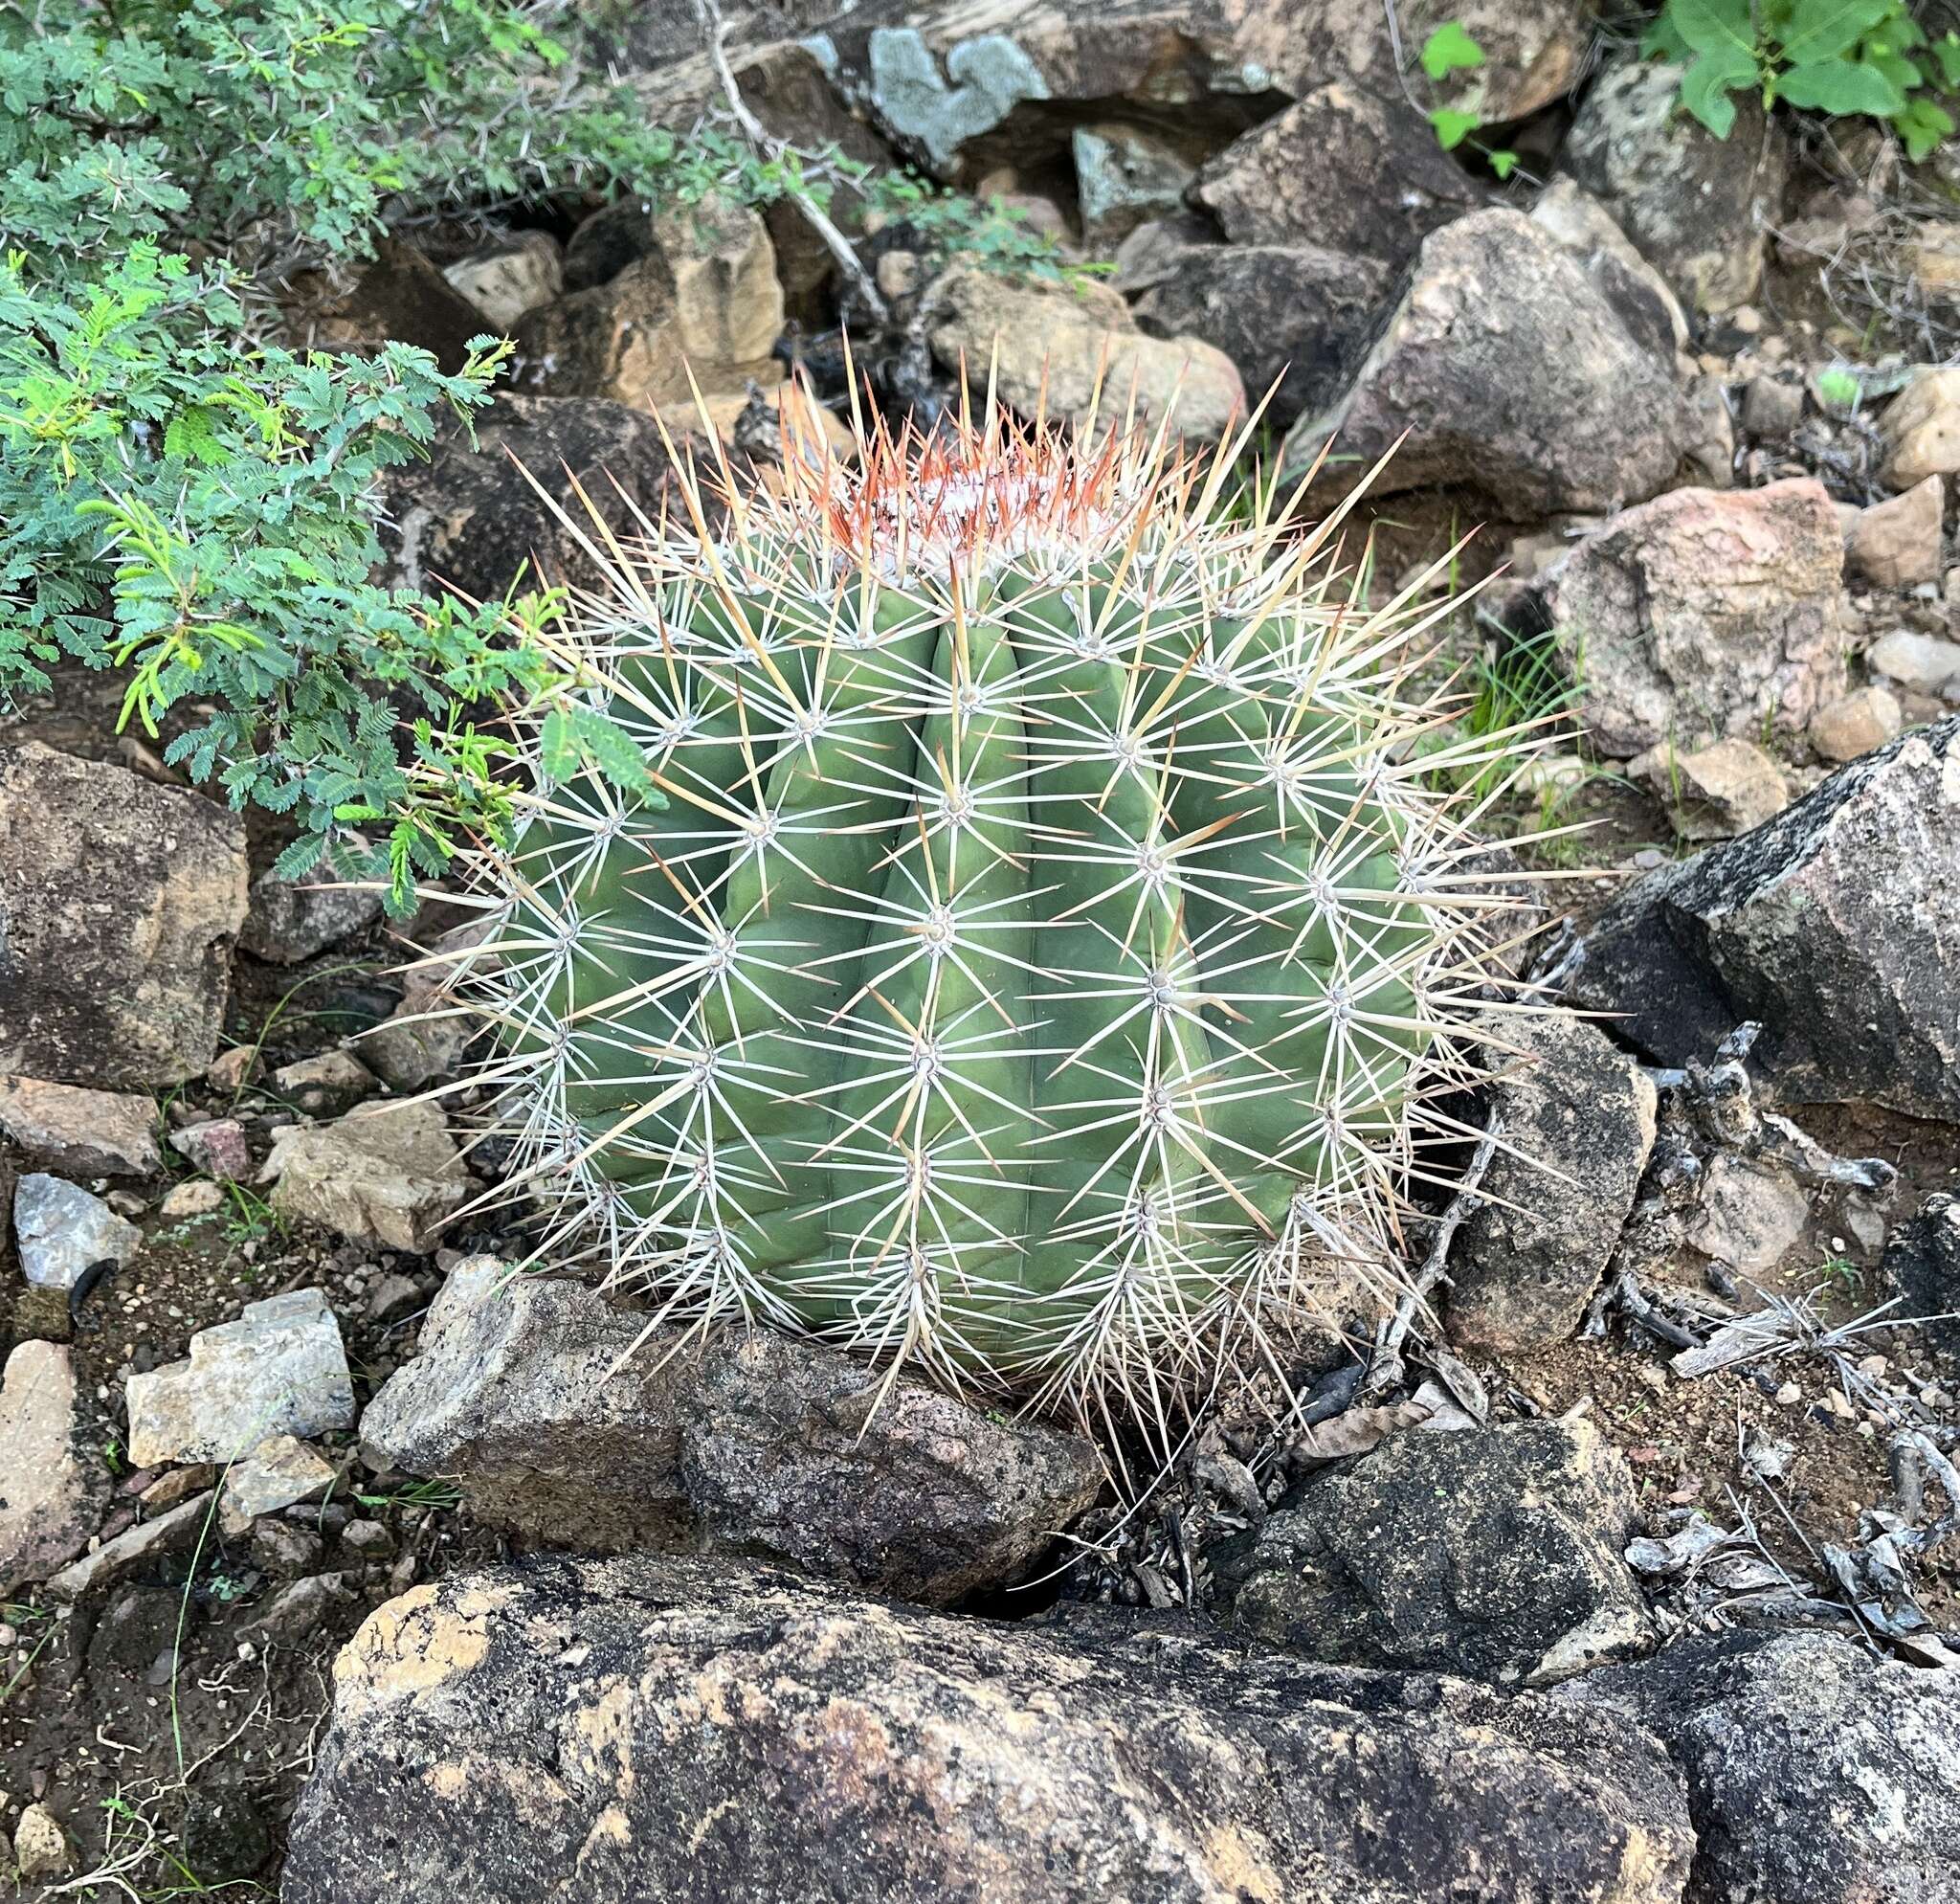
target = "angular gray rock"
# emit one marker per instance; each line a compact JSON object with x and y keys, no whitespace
{"x":290,"y":920}
{"x":128,"y":1552}
{"x":1509,"y":374}
{"x":280,"y":1471}
{"x":422,"y":1039}
{"x":1921,"y":1262}
{"x":1124,"y":175}
{"x":278,"y":1368}
{"x":1524,"y":1265}
{"x":388,"y":1175}
{"x":61,"y":1231}
{"x":51,"y":1497}
{"x":1704,"y":613}
{"x":1493,"y":1553}
{"x":1700,"y":208}
{"x":667,"y":1731}
{"x":120,"y":902}
{"x":1396,"y":184}
{"x":1289,"y":315}
{"x":1816,"y":1773}
{"x":83,"y":1132}
{"x":564,"y":1418}
{"x":1644,"y":300}
{"x":1835,"y":926}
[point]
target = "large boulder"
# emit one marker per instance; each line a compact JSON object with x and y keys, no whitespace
{"x":1704,"y":611}
{"x":1645,"y":301}
{"x":1396,"y":184}
{"x":1835,"y":926}
{"x":1494,"y":1552}
{"x":1700,"y":208}
{"x":471,"y":518}
{"x":1295,"y":320}
{"x":1077,"y":350}
{"x":1578,"y":1128}
{"x":120,"y":902}
{"x":564,"y":1417}
{"x":662,"y":1730}
{"x":1505,"y":370}
{"x":1816,"y":1773}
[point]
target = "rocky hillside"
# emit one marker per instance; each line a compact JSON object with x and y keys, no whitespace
{"x":342,"y":1562}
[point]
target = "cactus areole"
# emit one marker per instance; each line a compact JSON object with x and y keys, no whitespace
{"x":1037,"y":972}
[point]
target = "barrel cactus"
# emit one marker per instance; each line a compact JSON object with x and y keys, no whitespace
{"x":1042,"y":955}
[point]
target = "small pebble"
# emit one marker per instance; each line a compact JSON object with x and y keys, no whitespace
{"x":1789,"y":1394}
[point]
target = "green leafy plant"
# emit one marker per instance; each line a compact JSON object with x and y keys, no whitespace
{"x":1847,"y":58}
{"x":1451,"y":49}
{"x":1038,"y":975}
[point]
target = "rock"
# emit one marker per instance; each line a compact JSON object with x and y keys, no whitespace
{"x":280,"y":1471}
{"x":1294,"y":320}
{"x":782,"y":1452}
{"x":1933,"y":257}
{"x":326,"y":1085}
{"x":507,"y":279}
{"x":1922,"y":1262}
{"x":216,"y":1147}
{"x":679,"y":1732}
{"x":1524,"y":1263}
{"x":1708,"y":449}
{"x":1834,"y":926}
{"x":1816,"y":1773}
{"x":422,"y":1039}
{"x":562,"y":1418}
{"x":50,"y":1494}
{"x":41,"y":1845}
{"x":1397,"y":185}
{"x":1509,"y":373}
{"x":61,"y":1232}
{"x":1077,"y":340}
{"x":1856,"y":723}
{"x":392,"y":1296}
{"x":1642,"y":299}
{"x":1494,"y":1552}
{"x":1771,"y":407}
{"x":389,"y":1175}
{"x":290,"y":920}
{"x":1698,"y":207}
{"x":1895,"y":542}
{"x":84,"y":1133}
{"x":1920,"y":429}
{"x":399,"y":295}
{"x":286,"y":1552}
{"x":1124,"y":174}
{"x":467,"y":519}
{"x":1717,"y":791}
{"x":198,"y":1197}
{"x":278,"y":1368}
{"x":703,"y":297}
{"x":369,"y":1539}
{"x":1704,"y":610}
{"x":131,"y":1551}
{"x":1747,"y":1215}
{"x":119,"y":900}
{"x":296,"y":1612}
{"x":1920,"y":662}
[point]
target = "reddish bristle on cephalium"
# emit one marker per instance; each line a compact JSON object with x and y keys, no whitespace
{"x":1065,"y":927}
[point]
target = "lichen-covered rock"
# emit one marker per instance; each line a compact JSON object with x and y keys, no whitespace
{"x":1835,"y":926}
{"x":1578,"y":1126}
{"x":467,"y":519}
{"x":1295,"y":320}
{"x":1504,"y":371}
{"x":1124,"y":175}
{"x":1816,"y":1773}
{"x":665,"y":1731}
{"x":1058,"y":346}
{"x":1703,"y":611}
{"x":1494,"y":1552}
{"x":1700,"y":208}
{"x":120,"y":904}
{"x":564,"y":1416}
{"x":1396,"y":184}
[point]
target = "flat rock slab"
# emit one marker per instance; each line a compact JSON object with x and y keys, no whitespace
{"x":278,"y":1368}
{"x":1836,"y":926}
{"x":84,"y":1133}
{"x":61,"y":1231}
{"x":280,"y":1472}
{"x":120,"y":904}
{"x":659,"y":1731}
{"x":1490,"y":1552}
{"x":50,"y":1501}
{"x":564,"y":1417}
{"x":1816,"y":1773}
